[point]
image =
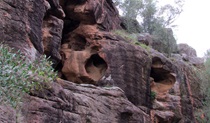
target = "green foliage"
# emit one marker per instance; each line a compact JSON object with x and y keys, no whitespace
{"x":131,"y":8}
{"x":205,"y":90}
{"x":142,"y":45}
{"x":150,"y":13}
{"x":130,"y":38}
{"x":127,"y":36}
{"x":153,"y":95}
{"x":170,"y":12}
{"x":155,"y":20}
{"x":18,"y":75}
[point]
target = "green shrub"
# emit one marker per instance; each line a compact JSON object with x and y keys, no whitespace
{"x":19,"y":76}
{"x":153,"y":95}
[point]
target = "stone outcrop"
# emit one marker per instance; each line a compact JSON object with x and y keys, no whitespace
{"x":176,"y":84}
{"x":67,"y":102}
{"x":187,"y":50}
{"x":51,"y":36}
{"x":145,"y":38}
{"x":116,"y":81}
{"x":21,"y":24}
{"x":188,"y":54}
{"x":130,"y":25}
{"x":164,"y":41}
{"x":100,"y":12}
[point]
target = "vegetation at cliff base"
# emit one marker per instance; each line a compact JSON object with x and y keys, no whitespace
{"x":18,"y":75}
{"x":205,"y":84}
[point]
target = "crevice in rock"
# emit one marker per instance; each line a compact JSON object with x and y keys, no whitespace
{"x":96,"y":67}
{"x":159,"y":119}
{"x":69,"y":26}
{"x":125,"y":117}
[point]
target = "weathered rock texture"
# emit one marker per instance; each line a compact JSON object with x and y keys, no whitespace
{"x":186,"y":49}
{"x":100,"y":12}
{"x":67,"y":102}
{"x":76,"y":34}
{"x":175,"y":84}
{"x":145,"y":38}
{"x":51,"y":36}
{"x":188,"y":54}
{"x":21,"y":23}
{"x":130,"y":25}
{"x":164,"y":41}
{"x":7,"y":114}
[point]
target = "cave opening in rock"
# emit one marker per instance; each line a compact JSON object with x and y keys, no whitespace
{"x":159,"y":74}
{"x":161,"y":79}
{"x":96,"y":67}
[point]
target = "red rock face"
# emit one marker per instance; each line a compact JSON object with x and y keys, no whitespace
{"x":20,"y":25}
{"x":67,"y":102}
{"x":100,"y":12}
{"x":77,"y":34}
{"x":51,"y":36}
{"x":176,"y":86}
{"x":7,"y":114}
{"x":84,"y":66}
{"x":166,"y":106}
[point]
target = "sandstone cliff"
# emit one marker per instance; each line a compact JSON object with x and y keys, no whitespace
{"x":103,"y":79}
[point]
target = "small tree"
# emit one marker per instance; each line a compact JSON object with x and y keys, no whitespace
{"x":131,"y":8}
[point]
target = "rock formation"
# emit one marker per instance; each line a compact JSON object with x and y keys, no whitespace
{"x":187,"y":50}
{"x":102,"y":78}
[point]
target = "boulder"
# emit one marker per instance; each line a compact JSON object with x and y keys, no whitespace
{"x":164,"y":41}
{"x":130,"y":25}
{"x":186,"y":49}
{"x":145,"y":38}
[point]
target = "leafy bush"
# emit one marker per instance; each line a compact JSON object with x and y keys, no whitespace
{"x":18,"y":75}
{"x":153,"y":95}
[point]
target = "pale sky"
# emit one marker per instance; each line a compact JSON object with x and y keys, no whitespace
{"x":194,"y":25}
